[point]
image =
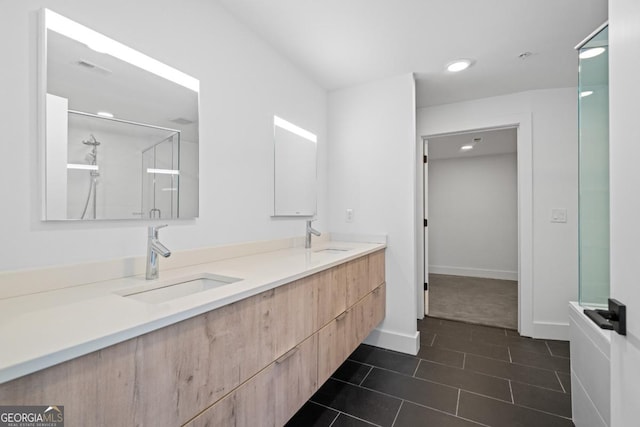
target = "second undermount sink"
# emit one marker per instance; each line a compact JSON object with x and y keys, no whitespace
{"x":170,"y":291}
{"x":333,"y":250}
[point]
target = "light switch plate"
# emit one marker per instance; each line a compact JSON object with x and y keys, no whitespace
{"x":559,"y":215}
{"x":349,"y":215}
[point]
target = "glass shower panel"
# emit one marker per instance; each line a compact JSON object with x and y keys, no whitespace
{"x":594,"y":171}
{"x":161,"y":179}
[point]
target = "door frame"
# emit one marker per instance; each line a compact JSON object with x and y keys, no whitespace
{"x":522,"y":122}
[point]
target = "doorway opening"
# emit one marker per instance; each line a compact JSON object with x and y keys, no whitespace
{"x":470,"y":185}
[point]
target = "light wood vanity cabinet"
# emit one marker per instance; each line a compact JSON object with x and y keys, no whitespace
{"x":251,"y":363}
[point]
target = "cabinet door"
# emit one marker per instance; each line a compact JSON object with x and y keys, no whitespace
{"x":295,"y":313}
{"x":357,"y":280}
{"x":332,"y":346}
{"x":376,"y":269}
{"x":332,"y":294}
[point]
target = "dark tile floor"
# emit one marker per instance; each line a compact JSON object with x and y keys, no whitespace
{"x":464,"y":375}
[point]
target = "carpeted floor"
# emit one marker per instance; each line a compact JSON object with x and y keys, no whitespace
{"x":489,"y":302}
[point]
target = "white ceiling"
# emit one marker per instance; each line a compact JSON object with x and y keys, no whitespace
{"x":499,"y":141}
{"x":341,"y":43}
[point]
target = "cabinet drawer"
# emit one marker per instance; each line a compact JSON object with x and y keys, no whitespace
{"x":332,"y":346}
{"x":272,"y":396}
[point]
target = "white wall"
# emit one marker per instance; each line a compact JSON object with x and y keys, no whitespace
{"x":371,"y":170}
{"x":473,"y":212}
{"x":624,"y":152}
{"x":243,"y":84}
{"x":555,"y":185}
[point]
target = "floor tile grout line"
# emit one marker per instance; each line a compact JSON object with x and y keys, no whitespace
{"x":408,"y":400}
{"x":516,"y":404}
{"x":510,"y":358}
{"x":397,"y":413}
{"x":454,"y":367}
{"x":439,"y":363}
{"x":448,"y":413}
{"x":416,"y":370}
{"x":432,"y":381}
{"x":458,"y":402}
{"x":366,"y":375}
{"x":560,"y":381}
{"x":464,"y":360}
{"x":515,"y":363}
{"x":335,"y":418}
{"x":344,"y":413}
{"x":424,"y":380}
{"x":511,"y":391}
{"x":510,"y":379}
{"x":548,"y":348}
{"x":433,"y":340}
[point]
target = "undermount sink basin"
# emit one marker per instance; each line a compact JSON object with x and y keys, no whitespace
{"x":170,"y":291}
{"x":334,"y":250}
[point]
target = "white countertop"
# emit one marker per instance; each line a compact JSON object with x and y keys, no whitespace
{"x":47,"y":328}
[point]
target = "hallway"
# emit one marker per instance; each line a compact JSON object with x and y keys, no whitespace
{"x":464,"y":375}
{"x":489,"y":302}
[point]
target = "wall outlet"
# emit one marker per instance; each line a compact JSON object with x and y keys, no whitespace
{"x":349,"y":215}
{"x":559,"y":215}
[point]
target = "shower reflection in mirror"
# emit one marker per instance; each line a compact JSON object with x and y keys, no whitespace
{"x":117,"y":168}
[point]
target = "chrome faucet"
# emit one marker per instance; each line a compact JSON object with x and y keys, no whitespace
{"x":310,"y":231}
{"x":154,"y":248}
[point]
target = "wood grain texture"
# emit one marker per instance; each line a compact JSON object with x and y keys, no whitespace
{"x":295,"y":380}
{"x":358,"y":286}
{"x":332,"y":346}
{"x":332,"y":294}
{"x":296,"y":305}
{"x":376,"y":269}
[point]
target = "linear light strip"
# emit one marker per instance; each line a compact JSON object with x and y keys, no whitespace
{"x":164,"y":171}
{"x":104,"y":44}
{"x":82,"y":167}
{"x":282,"y":123}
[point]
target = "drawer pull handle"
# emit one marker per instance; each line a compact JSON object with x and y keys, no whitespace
{"x":342,"y":316}
{"x":287,"y":355}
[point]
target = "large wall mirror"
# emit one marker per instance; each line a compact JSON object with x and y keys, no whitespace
{"x":294,"y":170}
{"x":119,"y":130}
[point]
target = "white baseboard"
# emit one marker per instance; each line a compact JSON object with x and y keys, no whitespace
{"x":551,"y":330}
{"x":474,"y":272}
{"x":403,"y":343}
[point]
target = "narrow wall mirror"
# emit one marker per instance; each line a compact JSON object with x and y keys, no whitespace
{"x":119,"y":130}
{"x":294,"y":170}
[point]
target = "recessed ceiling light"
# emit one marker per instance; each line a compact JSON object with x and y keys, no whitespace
{"x":458,"y":65}
{"x":105,"y":114}
{"x":466,"y":147}
{"x":586,"y":93}
{"x":590,"y":53}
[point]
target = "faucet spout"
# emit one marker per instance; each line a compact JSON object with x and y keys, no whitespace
{"x":154,"y":248}
{"x":159,"y":248}
{"x":309,"y":232}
